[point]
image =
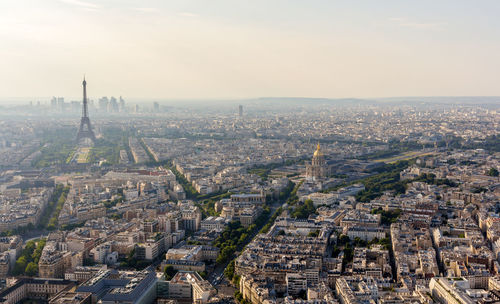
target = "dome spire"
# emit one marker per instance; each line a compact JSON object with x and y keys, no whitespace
{"x":318,"y":151}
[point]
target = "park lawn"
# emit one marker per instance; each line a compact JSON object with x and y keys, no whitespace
{"x":405,"y":156}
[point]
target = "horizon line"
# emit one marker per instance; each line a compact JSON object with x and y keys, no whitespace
{"x":72,"y":98}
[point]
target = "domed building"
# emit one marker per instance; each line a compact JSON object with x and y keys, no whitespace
{"x":317,"y":170}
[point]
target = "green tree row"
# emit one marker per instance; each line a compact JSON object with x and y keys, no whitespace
{"x":291,"y":197}
{"x":27,"y":263}
{"x":191,"y":192}
{"x":387,"y":179}
{"x":235,"y":237}
{"x":271,"y":220}
{"x":53,"y":222}
{"x":49,"y":209}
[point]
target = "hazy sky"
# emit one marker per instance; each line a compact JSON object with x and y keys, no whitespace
{"x":249,"y":48}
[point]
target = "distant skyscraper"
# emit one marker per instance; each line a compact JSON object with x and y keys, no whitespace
{"x":113,"y":105}
{"x":240,"y":110}
{"x":103,"y":104}
{"x":53,"y":103}
{"x":85,"y":130}
{"x":156,"y":107}
{"x":122,"y":105}
{"x":57,"y":103}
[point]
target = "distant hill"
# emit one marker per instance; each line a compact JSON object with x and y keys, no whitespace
{"x":443,"y":99}
{"x":406,"y":100}
{"x":315,"y":100}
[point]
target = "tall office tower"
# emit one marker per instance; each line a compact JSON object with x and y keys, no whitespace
{"x":122,"y":105}
{"x":60,"y":104}
{"x":241,"y":110}
{"x":113,"y":105}
{"x":156,"y":107}
{"x":85,"y":130}
{"x":103,"y":104}
{"x":53,"y":102}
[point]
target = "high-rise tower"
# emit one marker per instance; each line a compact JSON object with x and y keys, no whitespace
{"x":85,"y":130}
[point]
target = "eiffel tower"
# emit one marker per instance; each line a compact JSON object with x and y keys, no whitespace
{"x":85,"y":130}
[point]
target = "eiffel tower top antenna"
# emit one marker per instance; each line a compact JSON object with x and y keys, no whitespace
{"x":85,"y":110}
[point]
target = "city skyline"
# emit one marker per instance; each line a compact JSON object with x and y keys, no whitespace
{"x":191,"y":50}
{"x":249,"y":152}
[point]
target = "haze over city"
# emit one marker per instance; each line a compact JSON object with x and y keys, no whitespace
{"x":226,"y":49}
{"x":249,"y":152}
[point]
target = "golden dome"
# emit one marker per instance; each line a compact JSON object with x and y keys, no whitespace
{"x":318,"y":151}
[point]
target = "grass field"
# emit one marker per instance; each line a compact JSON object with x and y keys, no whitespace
{"x":404,"y":156}
{"x":84,"y":155}
{"x":81,"y":155}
